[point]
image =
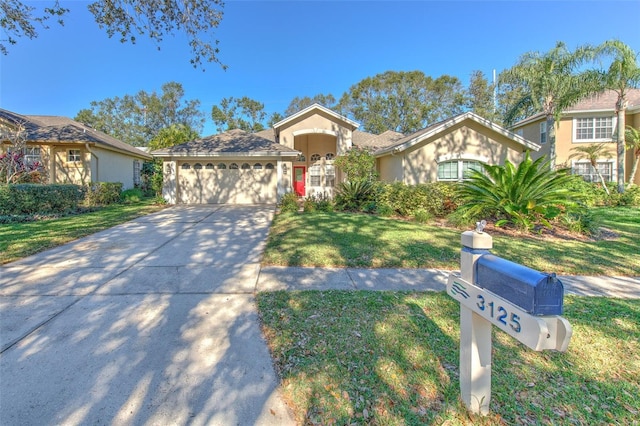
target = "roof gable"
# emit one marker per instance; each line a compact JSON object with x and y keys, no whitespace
{"x":316,"y":108}
{"x":443,"y":126}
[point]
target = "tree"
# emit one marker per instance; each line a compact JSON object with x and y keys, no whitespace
{"x":136,"y":119}
{"x":480,"y":96}
{"x":241,"y":113}
{"x":622,"y":75}
{"x":298,"y":104}
{"x":592,"y":153}
{"x":173,"y":135}
{"x":402,"y":101}
{"x":126,"y":19}
{"x":632,"y":136}
{"x":358,"y":164}
{"x":551,"y":85}
{"x":14,"y":168}
{"x":524,"y":195}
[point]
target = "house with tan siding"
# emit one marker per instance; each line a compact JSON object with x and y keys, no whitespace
{"x":72,"y":152}
{"x":591,"y":121}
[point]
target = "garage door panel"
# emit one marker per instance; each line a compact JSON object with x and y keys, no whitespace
{"x":227,"y":186}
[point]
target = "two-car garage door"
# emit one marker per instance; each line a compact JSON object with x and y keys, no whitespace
{"x":226,"y":183}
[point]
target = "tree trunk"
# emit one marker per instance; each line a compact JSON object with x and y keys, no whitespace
{"x":634,"y":169}
{"x":551,"y":136}
{"x":620,"y":143}
{"x":604,"y":184}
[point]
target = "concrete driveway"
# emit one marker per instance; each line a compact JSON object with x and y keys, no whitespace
{"x":150,"y":322}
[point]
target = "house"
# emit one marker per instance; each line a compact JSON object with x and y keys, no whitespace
{"x":72,"y":152}
{"x":297,"y":155}
{"x":590,"y":121}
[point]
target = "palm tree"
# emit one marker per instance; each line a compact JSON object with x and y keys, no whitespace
{"x":623,"y":74}
{"x":551,"y":85}
{"x":632,"y":136}
{"x":593,"y":153}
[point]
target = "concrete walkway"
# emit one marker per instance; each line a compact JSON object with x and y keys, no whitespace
{"x":154,"y":321}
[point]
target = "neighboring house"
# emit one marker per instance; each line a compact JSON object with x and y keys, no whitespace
{"x":72,"y":152}
{"x":591,"y":121}
{"x":298,"y":153}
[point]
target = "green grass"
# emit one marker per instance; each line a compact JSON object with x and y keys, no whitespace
{"x":18,"y":240}
{"x":391,"y":358}
{"x":358,"y":240}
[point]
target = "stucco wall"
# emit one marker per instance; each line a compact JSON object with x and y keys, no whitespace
{"x":316,"y":123}
{"x":469,"y":141}
{"x":113,"y":167}
{"x":390,"y":168}
{"x":64,"y":171}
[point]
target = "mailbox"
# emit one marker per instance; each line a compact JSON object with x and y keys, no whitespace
{"x":533,"y":291}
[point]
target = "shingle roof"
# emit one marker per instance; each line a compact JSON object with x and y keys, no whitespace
{"x":52,"y":129}
{"x":375,"y":142}
{"x":230,"y":142}
{"x":606,"y":101}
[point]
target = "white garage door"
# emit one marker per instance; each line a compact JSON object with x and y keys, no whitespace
{"x":227,"y":183}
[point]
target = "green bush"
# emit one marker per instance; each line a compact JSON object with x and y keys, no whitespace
{"x":422,"y":216}
{"x":318,"y":202}
{"x":29,"y":199}
{"x":436,"y":198}
{"x":309,"y":206}
{"x":133,"y":195}
{"x":356,"y":196}
{"x":631,"y":196}
{"x":289,"y":203}
{"x":103,"y":193}
{"x":583,"y":222}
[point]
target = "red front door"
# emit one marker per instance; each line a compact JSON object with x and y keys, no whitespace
{"x":298,"y":180}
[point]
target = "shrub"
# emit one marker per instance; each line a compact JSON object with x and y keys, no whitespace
{"x":318,"y":202}
{"x":29,"y":199}
{"x":583,"y":222}
{"x":309,"y":206}
{"x":103,"y":193}
{"x":358,"y":164}
{"x":436,"y":198}
{"x":526,"y":195}
{"x":355,"y":195}
{"x":631,"y":196}
{"x":133,"y":195}
{"x":422,"y":216}
{"x":289,"y":203}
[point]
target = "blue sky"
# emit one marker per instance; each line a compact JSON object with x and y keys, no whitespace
{"x":276,"y":50}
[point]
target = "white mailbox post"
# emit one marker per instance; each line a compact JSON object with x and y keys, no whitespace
{"x":479,"y":310}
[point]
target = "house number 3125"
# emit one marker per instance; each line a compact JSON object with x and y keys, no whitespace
{"x":500,"y":313}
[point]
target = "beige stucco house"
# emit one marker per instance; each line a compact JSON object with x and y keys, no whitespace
{"x":590,"y":121}
{"x":72,"y":152}
{"x":297,"y":155}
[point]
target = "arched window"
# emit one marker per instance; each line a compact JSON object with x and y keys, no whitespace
{"x":197,"y":166}
{"x":185,"y":166}
{"x":269,"y":166}
{"x":209,"y":166}
{"x":329,"y":156}
{"x":315,"y":157}
{"x":257,"y":166}
{"x":221,"y":166}
{"x":233,"y":166}
{"x":245,"y":166}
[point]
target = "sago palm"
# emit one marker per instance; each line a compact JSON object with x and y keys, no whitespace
{"x":593,"y":153}
{"x":524,"y":195}
{"x":632,"y":136}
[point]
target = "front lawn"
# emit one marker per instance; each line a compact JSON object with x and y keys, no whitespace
{"x":392,"y":358}
{"x":359,"y":240}
{"x":18,"y":240}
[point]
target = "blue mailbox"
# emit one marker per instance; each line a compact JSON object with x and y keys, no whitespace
{"x":533,"y":291}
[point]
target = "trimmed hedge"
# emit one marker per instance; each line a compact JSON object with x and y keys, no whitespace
{"x":437,"y":199}
{"x":103,"y":193}
{"x":29,"y":198}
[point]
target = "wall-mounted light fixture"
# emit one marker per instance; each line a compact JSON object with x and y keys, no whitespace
{"x":284,"y":168}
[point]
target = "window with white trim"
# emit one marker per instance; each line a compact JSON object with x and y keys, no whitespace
{"x":455,"y":170}
{"x":315,"y":157}
{"x":73,"y":155}
{"x":185,"y":166}
{"x":269,"y":166}
{"x":136,"y":172}
{"x":330,"y":175}
{"x":209,"y":166}
{"x":197,"y":166}
{"x":257,"y":166}
{"x":233,"y":166}
{"x":589,"y":174}
{"x":589,"y":129}
{"x":315,"y":175}
{"x":543,"y":132}
{"x":329,"y":156}
{"x":222,"y":166}
{"x":245,"y":166}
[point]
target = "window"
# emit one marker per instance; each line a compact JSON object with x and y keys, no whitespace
{"x":73,"y":155}
{"x":589,"y":174}
{"x":222,"y":166}
{"x":245,"y":166}
{"x":301,"y":158}
{"x":315,"y":157}
{"x":593,"y":128}
{"x":314,"y":175}
{"x":457,"y":169}
{"x":185,"y":166}
{"x":197,"y":166}
{"x":233,"y":166}
{"x":329,"y":156}
{"x":209,"y":166}
{"x":543,"y":132}
{"x":257,"y":166}
{"x":330,"y":175}
{"x":32,"y":155}
{"x":269,"y":166}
